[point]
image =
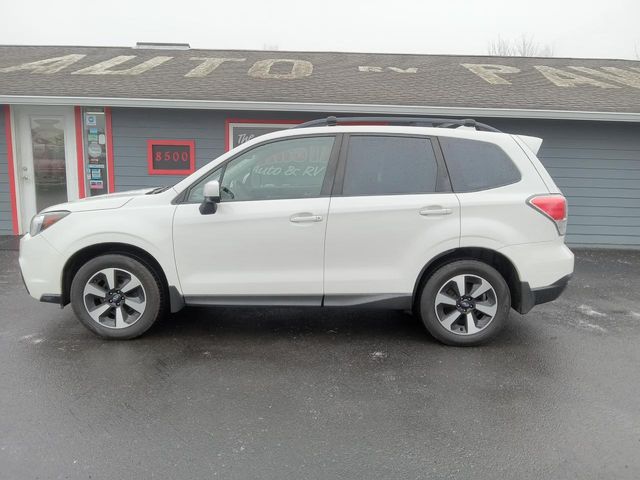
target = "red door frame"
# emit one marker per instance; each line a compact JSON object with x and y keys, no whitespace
{"x":110,"y":163}
{"x":11,"y":169}
{"x":80,"y":151}
{"x":8,"y":131}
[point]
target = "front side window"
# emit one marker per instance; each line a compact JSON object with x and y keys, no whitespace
{"x":292,"y":168}
{"x":196,"y":194}
{"x":474,"y":165}
{"x":387,"y":165}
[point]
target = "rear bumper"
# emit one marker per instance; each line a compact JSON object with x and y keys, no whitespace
{"x":530,"y":297}
{"x":544,"y":270}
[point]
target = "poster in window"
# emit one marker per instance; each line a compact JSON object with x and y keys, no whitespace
{"x":239,"y":131}
{"x":95,"y":152}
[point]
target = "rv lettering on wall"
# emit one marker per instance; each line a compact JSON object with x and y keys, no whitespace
{"x":292,"y":69}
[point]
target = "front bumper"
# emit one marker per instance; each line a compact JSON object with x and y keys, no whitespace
{"x":41,"y":268}
{"x":530,"y":297}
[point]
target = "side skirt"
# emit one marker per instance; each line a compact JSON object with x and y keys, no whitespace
{"x":383,"y":301}
{"x":254,"y":300}
{"x":388,"y":301}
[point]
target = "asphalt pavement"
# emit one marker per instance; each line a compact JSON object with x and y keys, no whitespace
{"x":320,"y":394}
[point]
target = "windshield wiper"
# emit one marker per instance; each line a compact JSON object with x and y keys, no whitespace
{"x":158,"y":189}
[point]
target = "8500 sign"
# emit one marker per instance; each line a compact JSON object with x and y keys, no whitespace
{"x":171,"y":157}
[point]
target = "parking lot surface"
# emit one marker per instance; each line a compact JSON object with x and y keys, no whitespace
{"x":317,"y":394}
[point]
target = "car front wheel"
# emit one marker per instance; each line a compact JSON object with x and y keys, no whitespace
{"x":116,"y":296}
{"x":465,"y":303}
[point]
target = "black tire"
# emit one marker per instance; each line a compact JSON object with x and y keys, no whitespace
{"x":153,"y":289}
{"x":430,"y":289}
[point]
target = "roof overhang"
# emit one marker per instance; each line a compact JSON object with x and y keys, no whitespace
{"x":322,"y":107}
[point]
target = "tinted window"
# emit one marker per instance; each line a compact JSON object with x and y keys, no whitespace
{"x":378,"y":165}
{"x":475,"y":165}
{"x":285,"y":169}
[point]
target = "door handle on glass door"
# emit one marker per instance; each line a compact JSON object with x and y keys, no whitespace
{"x":305,"y":217}
{"x":434,"y":211}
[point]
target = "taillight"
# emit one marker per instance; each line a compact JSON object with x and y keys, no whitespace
{"x":554,"y":207}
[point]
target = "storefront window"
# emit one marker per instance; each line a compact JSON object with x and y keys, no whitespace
{"x":95,"y":151}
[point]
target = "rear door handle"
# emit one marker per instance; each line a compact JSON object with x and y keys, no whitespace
{"x":305,"y":218}
{"x":434,"y":211}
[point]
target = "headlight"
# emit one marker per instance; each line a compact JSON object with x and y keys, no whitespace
{"x":42,"y":221}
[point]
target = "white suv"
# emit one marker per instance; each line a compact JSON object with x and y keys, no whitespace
{"x":456,"y":222}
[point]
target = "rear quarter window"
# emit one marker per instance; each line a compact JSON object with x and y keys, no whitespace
{"x":474,"y":165}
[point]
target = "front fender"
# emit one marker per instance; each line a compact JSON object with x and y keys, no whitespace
{"x":148,"y":228}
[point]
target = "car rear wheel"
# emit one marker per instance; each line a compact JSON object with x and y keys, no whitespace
{"x":465,"y":303}
{"x":116,"y":296}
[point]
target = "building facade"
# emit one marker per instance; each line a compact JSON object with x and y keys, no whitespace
{"x":84,"y":121}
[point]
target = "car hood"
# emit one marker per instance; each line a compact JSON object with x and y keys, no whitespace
{"x":99,"y":202}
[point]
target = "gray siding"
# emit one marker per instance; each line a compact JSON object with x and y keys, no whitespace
{"x":597,"y":165}
{"x":133,"y":127}
{"x":6,"y":227}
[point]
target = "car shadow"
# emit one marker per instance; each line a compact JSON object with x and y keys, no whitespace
{"x":335,"y":323}
{"x":260,"y":322}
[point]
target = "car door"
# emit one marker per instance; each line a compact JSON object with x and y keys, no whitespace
{"x":265,"y":243}
{"x":391,"y":211}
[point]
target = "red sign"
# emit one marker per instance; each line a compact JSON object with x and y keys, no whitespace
{"x":171,"y":157}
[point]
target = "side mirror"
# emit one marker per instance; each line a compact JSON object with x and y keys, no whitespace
{"x":211,"y":193}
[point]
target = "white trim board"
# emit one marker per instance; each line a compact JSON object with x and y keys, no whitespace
{"x":322,"y":107}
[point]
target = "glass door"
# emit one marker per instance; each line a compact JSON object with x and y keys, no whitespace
{"x":47,"y":171}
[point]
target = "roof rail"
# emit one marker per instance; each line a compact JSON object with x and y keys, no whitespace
{"x":411,"y":121}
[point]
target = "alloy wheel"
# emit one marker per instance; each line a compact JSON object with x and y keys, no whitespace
{"x":114,"y":298}
{"x":466,"y":304}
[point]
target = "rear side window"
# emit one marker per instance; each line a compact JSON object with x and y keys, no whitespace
{"x":385,"y":165}
{"x":475,"y":165}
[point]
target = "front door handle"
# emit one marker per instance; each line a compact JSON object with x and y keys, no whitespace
{"x":305,"y":218}
{"x":434,"y":211}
